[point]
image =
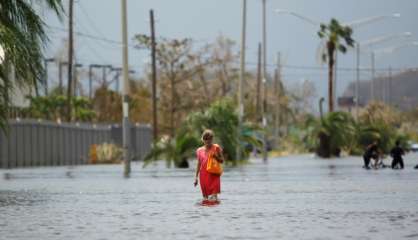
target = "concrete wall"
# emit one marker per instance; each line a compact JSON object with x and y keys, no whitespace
{"x":31,"y":143}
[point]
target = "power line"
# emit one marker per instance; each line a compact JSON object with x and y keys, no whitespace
{"x":303,"y":67}
{"x":81,"y":34}
{"x":80,"y":5}
{"x":269,"y":65}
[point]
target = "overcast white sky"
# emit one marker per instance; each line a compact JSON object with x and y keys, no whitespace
{"x":204,"y":20}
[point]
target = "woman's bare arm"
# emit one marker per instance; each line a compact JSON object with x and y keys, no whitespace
{"x":197,"y":172}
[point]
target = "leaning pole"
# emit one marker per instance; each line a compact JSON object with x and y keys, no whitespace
{"x":241,"y":80}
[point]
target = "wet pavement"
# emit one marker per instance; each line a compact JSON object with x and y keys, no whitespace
{"x":296,"y":197}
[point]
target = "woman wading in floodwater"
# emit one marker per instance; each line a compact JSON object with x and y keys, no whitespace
{"x":210,"y":183}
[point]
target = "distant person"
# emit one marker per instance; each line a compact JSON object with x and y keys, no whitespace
{"x":370,"y":152}
{"x":210,"y":184}
{"x":396,"y":154}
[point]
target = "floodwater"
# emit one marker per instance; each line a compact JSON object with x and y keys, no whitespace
{"x":296,"y":197}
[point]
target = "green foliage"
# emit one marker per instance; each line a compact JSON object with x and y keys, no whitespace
{"x":333,"y":33}
{"x":53,"y":107}
{"x":174,"y":150}
{"x":384,"y":134}
{"x":22,"y":36}
{"x":222,"y":118}
{"x":341,"y":130}
{"x":338,"y":131}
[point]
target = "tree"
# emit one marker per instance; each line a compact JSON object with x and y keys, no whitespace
{"x":332,"y":34}
{"x":222,"y":119}
{"x":178,"y":64}
{"x":53,"y":107}
{"x":223,"y":61}
{"x":108,"y":105}
{"x":22,"y":36}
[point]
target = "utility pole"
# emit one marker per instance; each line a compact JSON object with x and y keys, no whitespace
{"x":90,"y":81}
{"x":241,"y":78}
{"x":154,"y":78}
{"x":264,"y":74}
{"x":91,"y":66}
{"x":76,"y":83}
{"x":70,"y":59}
{"x":104,"y":74}
{"x":257,"y":102}
{"x":357,"y":79}
{"x":277,"y":79}
{"x":125,"y":104}
{"x":118,"y":70}
{"x":104,"y":80}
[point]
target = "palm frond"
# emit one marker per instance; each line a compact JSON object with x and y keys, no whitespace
{"x":22,"y":37}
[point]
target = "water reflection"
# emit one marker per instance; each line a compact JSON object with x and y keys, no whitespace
{"x":332,"y":170}
{"x":20,"y":198}
{"x":7,"y":176}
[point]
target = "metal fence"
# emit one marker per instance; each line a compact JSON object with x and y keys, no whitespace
{"x":30,"y":143}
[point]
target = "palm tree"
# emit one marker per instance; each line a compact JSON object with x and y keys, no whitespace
{"x":174,"y":150}
{"x":22,"y":37}
{"x":336,"y":131}
{"x":332,"y":34}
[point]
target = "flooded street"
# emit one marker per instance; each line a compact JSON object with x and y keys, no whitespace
{"x":297,"y":197}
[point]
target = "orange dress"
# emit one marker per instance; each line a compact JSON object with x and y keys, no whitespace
{"x":209,"y":183}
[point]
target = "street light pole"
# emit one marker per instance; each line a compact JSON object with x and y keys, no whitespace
{"x":390,"y":87}
{"x":241,"y":79}
{"x":258,"y":86}
{"x":390,"y":50}
{"x":264,"y":77}
{"x":277,"y":93}
{"x":369,"y":43}
{"x":125,"y":104}
{"x":372,"y":92}
{"x":357,"y":79}
{"x":60,"y":78}
{"x":353,"y":24}
{"x":46,"y":61}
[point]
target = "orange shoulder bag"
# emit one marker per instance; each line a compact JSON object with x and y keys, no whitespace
{"x":213,"y":166}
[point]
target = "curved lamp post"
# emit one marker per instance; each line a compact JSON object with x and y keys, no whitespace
{"x":371,"y":42}
{"x":390,"y":50}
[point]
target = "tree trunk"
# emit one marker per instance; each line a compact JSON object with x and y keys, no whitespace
{"x":323,"y":149}
{"x":207,"y":94}
{"x":331,"y":50}
{"x":321,"y":112}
